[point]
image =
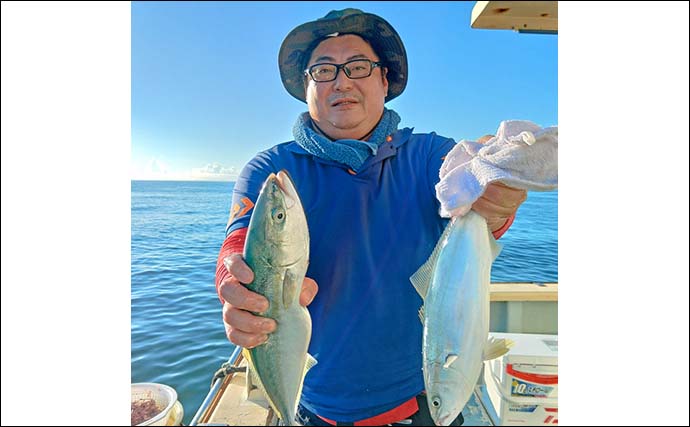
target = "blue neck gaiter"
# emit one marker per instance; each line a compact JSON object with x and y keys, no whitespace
{"x":351,"y":152}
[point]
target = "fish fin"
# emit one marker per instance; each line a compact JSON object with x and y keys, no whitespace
{"x":250,"y":361}
{"x":497,"y":347}
{"x":422,"y":277}
{"x":291,"y":287}
{"x":421,"y":314}
{"x":253,"y":381}
{"x":310,"y":363}
{"x":449,"y":360}
{"x":495,"y":247}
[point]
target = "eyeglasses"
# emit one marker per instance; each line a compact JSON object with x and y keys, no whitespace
{"x":355,"y":69}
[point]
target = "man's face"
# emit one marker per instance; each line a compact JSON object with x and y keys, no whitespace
{"x":344,"y":107}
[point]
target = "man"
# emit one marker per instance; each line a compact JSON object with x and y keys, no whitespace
{"x":367,"y":189}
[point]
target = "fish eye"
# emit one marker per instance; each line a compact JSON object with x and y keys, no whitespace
{"x":278,"y":214}
{"x":436,"y":402}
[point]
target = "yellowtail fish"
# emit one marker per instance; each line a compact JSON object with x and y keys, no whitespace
{"x":277,"y":250}
{"x":454,"y":284}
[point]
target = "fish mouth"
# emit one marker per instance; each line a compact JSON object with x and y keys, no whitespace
{"x":284,"y":182}
{"x":444,"y":420}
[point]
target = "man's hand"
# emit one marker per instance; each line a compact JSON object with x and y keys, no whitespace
{"x":499,"y":202}
{"x":242,"y":327}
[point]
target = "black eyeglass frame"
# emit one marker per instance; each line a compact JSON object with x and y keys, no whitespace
{"x":338,"y":67}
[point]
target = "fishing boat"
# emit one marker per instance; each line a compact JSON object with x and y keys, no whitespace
{"x":516,"y":308}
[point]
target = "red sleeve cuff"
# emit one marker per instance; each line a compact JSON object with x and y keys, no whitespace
{"x":233,"y":244}
{"x":501,"y":231}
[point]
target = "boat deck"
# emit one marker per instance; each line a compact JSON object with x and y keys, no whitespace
{"x":515,"y":308}
{"x":234,"y":408}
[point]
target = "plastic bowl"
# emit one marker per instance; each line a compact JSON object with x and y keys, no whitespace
{"x":164,"y":396}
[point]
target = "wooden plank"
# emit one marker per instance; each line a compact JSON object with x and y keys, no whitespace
{"x":516,"y":15}
{"x":524,"y":292}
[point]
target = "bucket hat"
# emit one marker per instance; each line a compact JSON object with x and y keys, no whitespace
{"x":299,"y":43}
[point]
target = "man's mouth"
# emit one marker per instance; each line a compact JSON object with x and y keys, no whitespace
{"x":343,"y":101}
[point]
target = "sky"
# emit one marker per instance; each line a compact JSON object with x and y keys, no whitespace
{"x":207,"y":94}
{"x":71,"y":132}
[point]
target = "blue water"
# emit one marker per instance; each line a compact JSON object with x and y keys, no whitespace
{"x":177,"y":230}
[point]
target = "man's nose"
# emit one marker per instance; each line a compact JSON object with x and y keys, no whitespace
{"x":342,"y":82}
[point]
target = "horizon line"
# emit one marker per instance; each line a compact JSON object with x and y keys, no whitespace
{"x":181,"y":180}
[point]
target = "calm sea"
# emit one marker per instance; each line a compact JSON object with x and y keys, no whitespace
{"x":177,"y":229}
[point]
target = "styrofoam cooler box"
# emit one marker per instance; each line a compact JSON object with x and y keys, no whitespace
{"x":523,"y":384}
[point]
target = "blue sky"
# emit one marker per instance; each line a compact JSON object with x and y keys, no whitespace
{"x":207,"y":95}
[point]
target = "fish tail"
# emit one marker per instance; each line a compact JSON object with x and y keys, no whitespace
{"x":497,"y":347}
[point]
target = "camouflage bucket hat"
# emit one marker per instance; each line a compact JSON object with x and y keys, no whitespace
{"x":298,"y":45}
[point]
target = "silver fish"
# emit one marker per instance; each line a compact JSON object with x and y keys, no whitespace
{"x":454,"y":284}
{"x":277,"y":250}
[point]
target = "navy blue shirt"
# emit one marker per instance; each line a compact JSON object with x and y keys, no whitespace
{"x":369,"y":232}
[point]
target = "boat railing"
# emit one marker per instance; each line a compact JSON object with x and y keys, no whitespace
{"x":215,"y":388}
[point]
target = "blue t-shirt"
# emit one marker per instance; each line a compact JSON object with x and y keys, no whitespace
{"x":369,"y":232}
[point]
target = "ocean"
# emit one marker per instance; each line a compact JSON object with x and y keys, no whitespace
{"x":178,"y":337}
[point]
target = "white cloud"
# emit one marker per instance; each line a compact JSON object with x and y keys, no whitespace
{"x":158,"y":170}
{"x":216,"y":172}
